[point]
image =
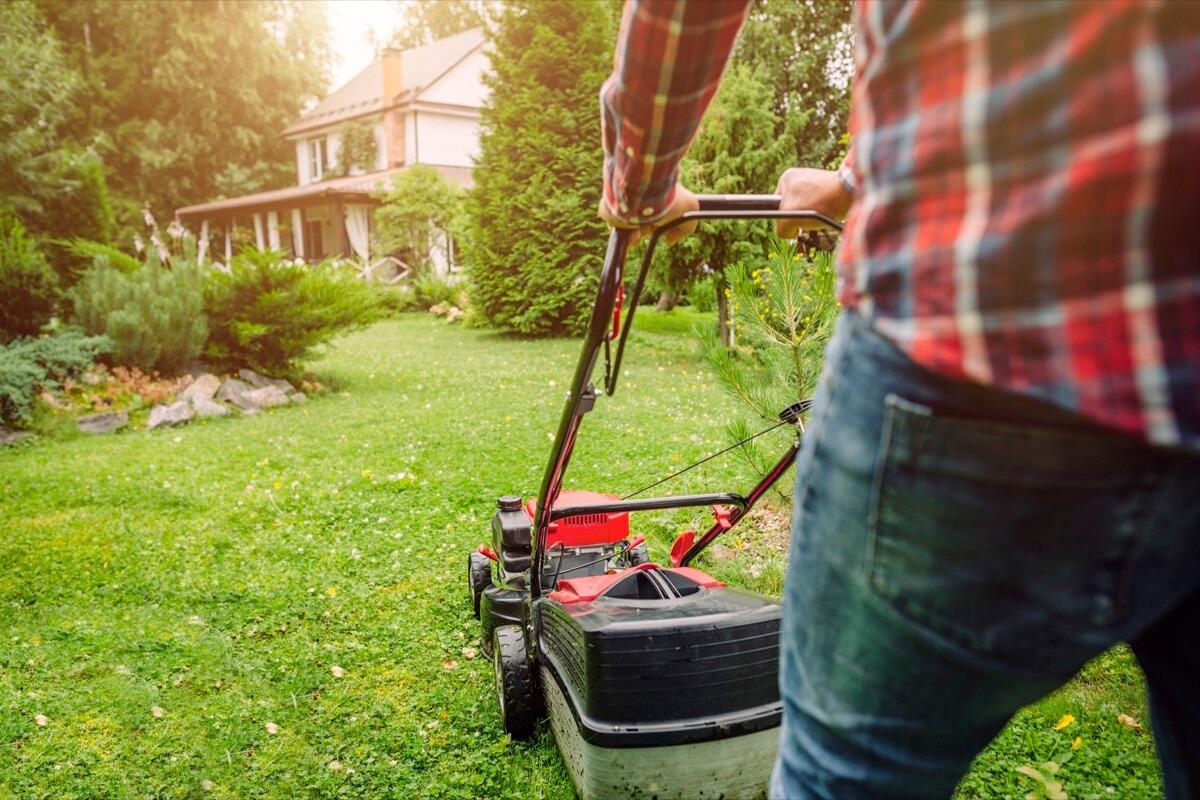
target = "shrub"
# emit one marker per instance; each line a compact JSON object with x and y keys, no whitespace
{"x":783,"y":314}
{"x":28,"y":285}
{"x":416,"y":215}
{"x":267,"y":313}
{"x":154,"y":315}
{"x":702,"y":293}
{"x":47,"y":361}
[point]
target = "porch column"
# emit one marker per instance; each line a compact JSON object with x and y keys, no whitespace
{"x":298,"y":232}
{"x":202,"y":245}
{"x":259,"y":240}
{"x":273,"y":230}
{"x":229,"y":240}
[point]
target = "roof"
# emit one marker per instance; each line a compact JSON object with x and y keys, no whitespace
{"x":357,"y":187}
{"x":354,"y":188}
{"x":364,"y":93}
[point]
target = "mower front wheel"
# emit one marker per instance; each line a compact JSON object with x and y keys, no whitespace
{"x":515,"y":686}
{"x":479,"y":574}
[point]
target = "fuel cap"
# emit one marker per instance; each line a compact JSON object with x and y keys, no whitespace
{"x":509,"y":502}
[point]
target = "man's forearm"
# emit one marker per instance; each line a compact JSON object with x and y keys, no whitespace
{"x":670,"y":57}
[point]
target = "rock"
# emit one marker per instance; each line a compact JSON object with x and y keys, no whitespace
{"x":165,"y":416}
{"x":208,"y":408}
{"x":298,"y":397}
{"x":438,"y":310}
{"x":204,"y":387}
{"x":8,"y":437}
{"x":54,"y":402}
{"x":234,"y":391}
{"x":455,"y":313}
{"x":107,"y":422}
{"x":253,"y":378}
{"x":266,"y":397}
{"x":282,"y":385}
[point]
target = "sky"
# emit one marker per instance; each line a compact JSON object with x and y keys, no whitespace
{"x":356,"y":27}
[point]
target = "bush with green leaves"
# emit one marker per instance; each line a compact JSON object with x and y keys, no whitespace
{"x":28,"y":285}
{"x":47,"y":361}
{"x":783,"y":314}
{"x":416,"y":214}
{"x":268,"y":312}
{"x":154,"y":314}
{"x":535,"y":242}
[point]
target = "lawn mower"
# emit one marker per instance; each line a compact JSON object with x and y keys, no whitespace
{"x":658,"y":681}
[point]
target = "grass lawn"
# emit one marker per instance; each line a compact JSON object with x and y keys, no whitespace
{"x":276,"y":606}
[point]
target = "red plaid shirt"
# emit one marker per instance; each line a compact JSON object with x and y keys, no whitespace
{"x":1028,"y":186}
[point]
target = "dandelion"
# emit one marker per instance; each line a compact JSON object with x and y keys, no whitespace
{"x":156,"y":712}
{"x":332,"y":592}
{"x":1064,"y":722}
{"x":272,"y":728}
{"x":41,"y":720}
{"x":278,"y":484}
{"x":1077,"y":743}
{"x":337,"y":671}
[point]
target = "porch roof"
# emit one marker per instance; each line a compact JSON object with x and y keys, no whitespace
{"x":357,"y":188}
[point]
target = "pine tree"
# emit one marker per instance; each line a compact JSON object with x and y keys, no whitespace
{"x":535,"y":243}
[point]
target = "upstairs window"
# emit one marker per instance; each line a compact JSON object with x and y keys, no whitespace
{"x":318,"y":159}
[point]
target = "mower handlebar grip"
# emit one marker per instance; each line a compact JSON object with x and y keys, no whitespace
{"x":739,"y":202}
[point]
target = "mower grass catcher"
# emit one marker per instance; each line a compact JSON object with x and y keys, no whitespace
{"x":659,"y":682}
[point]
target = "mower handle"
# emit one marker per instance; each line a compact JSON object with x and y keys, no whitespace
{"x":582,"y":396}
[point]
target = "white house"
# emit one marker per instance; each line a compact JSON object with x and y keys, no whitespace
{"x":421,"y":106}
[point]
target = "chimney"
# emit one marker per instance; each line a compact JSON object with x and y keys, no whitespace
{"x":393,"y":121}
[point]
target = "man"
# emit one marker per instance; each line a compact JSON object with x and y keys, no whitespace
{"x":1001,"y":476}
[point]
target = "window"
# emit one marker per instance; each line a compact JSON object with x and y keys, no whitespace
{"x":318,"y":159}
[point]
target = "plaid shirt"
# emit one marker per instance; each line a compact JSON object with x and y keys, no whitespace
{"x":1028,"y":187}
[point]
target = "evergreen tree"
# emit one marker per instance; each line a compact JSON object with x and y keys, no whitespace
{"x":535,"y":241}
{"x":736,"y":151}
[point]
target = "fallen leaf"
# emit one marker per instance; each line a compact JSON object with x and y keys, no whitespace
{"x":335,"y":765}
{"x":337,"y":671}
{"x":272,"y":728}
{"x":449,"y":664}
{"x":41,"y":720}
{"x":1129,"y":722}
{"x":156,"y":711}
{"x":469,"y":652}
{"x":1064,"y":722}
{"x":206,"y":785}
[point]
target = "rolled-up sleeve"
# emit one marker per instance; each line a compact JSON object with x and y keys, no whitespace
{"x":669,"y":60}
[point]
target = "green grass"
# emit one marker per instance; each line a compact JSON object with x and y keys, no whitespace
{"x":221,"y":571}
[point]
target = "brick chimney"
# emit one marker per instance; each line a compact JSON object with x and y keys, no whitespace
{"x":393,"y":121}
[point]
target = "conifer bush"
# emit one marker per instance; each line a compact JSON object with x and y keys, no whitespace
{"x":28,"y":285}
{"x":47,"y":361}
{"x":154,"y":314}
{"x":784,"y":308}
{"x":535,"y":243}
{"x":268,"y":313}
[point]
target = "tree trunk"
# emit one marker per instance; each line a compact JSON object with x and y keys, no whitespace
{"x":723,"y":328}
{"x":666,"y":301}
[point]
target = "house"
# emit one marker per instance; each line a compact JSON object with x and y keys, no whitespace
{"x":418,"y":106}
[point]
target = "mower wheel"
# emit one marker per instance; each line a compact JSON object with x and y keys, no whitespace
{"x":515,"y":687}
{"x":639,"y":555}
{"x":479,"y":573}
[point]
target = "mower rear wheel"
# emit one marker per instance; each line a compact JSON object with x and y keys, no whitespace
{"x":515,"y":686}
{"x":479,"y":575}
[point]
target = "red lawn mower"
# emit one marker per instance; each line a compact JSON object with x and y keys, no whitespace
{"x":658,"y":681}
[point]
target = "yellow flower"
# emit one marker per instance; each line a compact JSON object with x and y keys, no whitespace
{"x":1065,"y":722}
{"x":278,"y":484}
{"x":332,"y":592}
{"x":1078,"y":743}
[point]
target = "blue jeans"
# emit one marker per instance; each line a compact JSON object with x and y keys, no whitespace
{"x":958,"y":552}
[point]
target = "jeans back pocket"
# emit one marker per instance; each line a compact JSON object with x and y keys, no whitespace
{"x":1003,"y":537}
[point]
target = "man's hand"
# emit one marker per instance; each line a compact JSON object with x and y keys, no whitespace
{"x":683,"y":202}
{"x":805,"y":189}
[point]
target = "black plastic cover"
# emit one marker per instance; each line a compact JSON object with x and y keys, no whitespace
{"x":511,"y":534}
{"x":642,"y":673}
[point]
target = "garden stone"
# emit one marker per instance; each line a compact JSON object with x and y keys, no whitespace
{"x":253,"y":378}
{"x":234,"y":391}
{"x":8,"y":437}
{"x":205,"y":407}
{"x":204,"y":388}
{"x":298,"y":397}
{"x":282,"y":385}
{"x":107,"y":422}
{"x":266,"y":397}
{"x":165,"y":416}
